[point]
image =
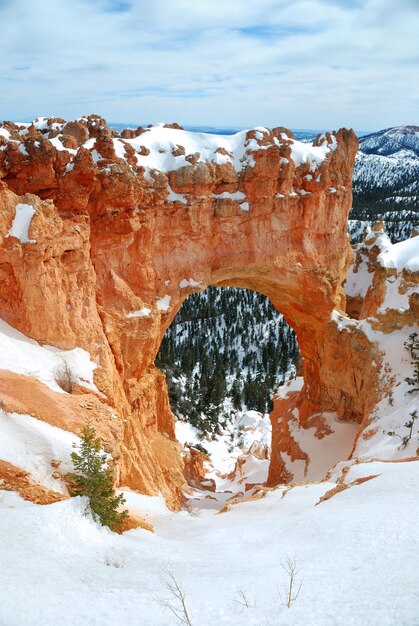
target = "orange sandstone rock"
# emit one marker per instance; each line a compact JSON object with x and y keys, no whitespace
{"x":120,"y":245}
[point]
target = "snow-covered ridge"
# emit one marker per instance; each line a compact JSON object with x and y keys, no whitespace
{"x":391,"y":140}
{"x":166,"y":148}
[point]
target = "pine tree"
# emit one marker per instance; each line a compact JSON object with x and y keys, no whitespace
{"x":94,"y":479}
{"x":413,"y":348}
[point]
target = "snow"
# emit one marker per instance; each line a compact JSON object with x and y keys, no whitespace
{"x":399,"y":256}
{"x":239,"y":196}
{"x":22,"y":149}
{"x":296,"y":384}
{"x":21,"y":223}
{"x":32,"y":444}
{"x":119,"y":148}
{"x":402,"y":255}
{"x":307,"y":153}
{"x":4,"y":133}
{"x":41,"y":123}
{"x":56,"y":142}
{"x":394,"y":410}
{"x":25,"y":356}
{"x":347,"y":550}
{"x":226,"y":195}
{"x":244,"y":430}
{"x":323,"y":452}
{"x":184,"y":283}
{"x":396,"y":297}
{"x":162,"y":142}
{"x":163,"y":304}
{"x":156,"y":148}
{"x":176,"y":197}
{"x":144,"y":312}
{"x":150,"y":508}
{"x":96,"y":156}
{"x":343,"y":321}
{"x":358,"y":279}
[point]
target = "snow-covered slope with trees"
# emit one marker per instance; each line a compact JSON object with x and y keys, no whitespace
{"x":227,"y":350}
{"x":386,"y":172}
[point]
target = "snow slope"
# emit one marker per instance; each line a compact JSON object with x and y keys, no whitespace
{"x":26,"y":356}
{"x":32,"y":444}
{"x":356,"y":554}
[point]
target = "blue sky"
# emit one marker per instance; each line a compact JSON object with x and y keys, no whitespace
{"x":297,"y":63}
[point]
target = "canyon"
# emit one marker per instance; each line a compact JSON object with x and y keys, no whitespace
{"x":104,"y":235}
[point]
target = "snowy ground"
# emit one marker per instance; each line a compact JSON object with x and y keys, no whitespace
{"x":356,"y":552}
{"x":357,"y":555}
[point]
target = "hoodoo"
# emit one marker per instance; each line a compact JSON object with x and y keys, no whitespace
{"x":103,"y":236}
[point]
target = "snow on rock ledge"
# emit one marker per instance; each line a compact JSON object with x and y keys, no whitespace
{"x":383,"y":277}
{"x":167,"y":148}
{"x":22,"y":222}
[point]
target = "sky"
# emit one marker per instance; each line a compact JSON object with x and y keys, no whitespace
{"x":318,"y":64}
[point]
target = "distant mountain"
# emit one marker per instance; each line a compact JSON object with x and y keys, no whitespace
{"x":391,"y":141}
{"x":386,"y":177}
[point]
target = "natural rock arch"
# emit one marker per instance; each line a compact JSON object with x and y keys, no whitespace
{"x":119,"y":247}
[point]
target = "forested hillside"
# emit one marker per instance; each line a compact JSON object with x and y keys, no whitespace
{"x":386,"y":173}
{"x":227,"y":349}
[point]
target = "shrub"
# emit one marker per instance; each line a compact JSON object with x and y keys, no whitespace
{"x":94,"y":478}
{"x":409,"y":424}
{"x":290,"y":591}
{"x":65,"y":377}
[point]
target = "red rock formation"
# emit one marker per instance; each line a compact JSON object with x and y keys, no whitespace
{"x":119,"y":246}
{"x":194,"y":470}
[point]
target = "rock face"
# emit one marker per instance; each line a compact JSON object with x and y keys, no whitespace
{"x":125,"y":228}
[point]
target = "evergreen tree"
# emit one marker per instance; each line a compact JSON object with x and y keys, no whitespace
{"x":92,"y":478}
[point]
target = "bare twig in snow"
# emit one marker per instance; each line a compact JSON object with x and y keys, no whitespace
{"x":242,"y":599}
{"x":290,"y":592}
{"x":176,"y":603}
{"x":112,"y":560}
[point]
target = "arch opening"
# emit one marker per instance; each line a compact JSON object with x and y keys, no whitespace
{"x":225,"y":355}
{"x":227,"y":350}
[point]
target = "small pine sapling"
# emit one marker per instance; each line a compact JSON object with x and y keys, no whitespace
{"x":409,"y":424}
{"x":94,"y":479}
{"x":412,"y":346}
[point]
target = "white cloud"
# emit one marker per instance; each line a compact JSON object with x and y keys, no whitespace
{"x":300,"y":63}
